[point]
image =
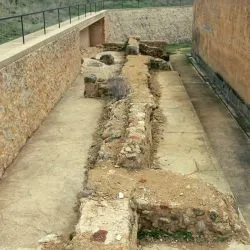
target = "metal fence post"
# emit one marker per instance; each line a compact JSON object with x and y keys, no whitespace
{"x":69,"y":15}
{"x":44,"y":23}
{"x":78,"y":10}
{"x":22,"y":29}
{"x":95,"y":7}
{"x":85,"y":10}
{"x":122,"y":4}
{"x":103,"y":4}
{"x":138,"y":3}
{"x":58,"y":17}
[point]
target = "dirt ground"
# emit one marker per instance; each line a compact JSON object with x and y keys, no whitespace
{"x":154,"y":189}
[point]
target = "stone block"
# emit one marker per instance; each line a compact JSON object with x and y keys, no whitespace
{"x":159,"y":64}
{"x":91,"y":90}
{"x":150,"y":50}
{"x":132,"y":46}
{"x":109,"y":224}
{"x":107,"y":59}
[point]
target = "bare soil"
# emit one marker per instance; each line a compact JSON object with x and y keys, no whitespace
{"x":153,"y":188}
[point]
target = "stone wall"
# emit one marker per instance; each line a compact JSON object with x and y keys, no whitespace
{"x":171,"y":24}
{"x":30,"y":87}
{"x":221,"y":38}
{"x":34,"y":76}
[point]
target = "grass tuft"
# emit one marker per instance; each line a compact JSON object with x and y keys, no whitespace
{"x":178,"y":47}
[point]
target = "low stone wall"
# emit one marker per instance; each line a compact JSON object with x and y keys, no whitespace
{"x":173,"y":25}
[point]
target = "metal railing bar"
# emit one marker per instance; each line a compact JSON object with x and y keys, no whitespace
{"x":88,"y":7}
{"x":58,"y":18}
{"x":22,"y":29}
{"x":44,"y":23}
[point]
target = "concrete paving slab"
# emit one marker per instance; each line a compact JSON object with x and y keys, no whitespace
{"x":228,"y":140}
{"x":184,"y":147}
{"x":180,"y":121}
{"x":38,"y":192}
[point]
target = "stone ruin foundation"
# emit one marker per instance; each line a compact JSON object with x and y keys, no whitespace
{"x":126,"y":196}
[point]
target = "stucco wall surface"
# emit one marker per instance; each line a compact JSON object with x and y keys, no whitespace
{"x":221,"y":37}
{"x":171,"y":24}
{"x":29,"y":89}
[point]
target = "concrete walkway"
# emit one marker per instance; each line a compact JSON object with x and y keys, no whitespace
{"x":38,"y":192}
{"x":184,"y":147}
{"x":230,"y":143}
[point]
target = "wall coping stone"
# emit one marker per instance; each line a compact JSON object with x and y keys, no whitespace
{"x":14,"y":50}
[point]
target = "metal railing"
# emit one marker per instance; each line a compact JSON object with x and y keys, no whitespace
{"x":72,"y":11}
{"x":17,"y":26}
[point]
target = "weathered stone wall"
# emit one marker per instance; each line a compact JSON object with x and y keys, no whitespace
{"x":29,"y":89}
{"x":173,"y":25}
{"x":221,"y":38}
{"x":34,"y":76}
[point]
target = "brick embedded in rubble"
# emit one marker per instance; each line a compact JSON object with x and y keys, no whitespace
{"x":96,"y":231}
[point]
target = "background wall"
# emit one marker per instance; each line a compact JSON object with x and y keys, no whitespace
{"x":172,"y":24}
{"x":221,"y":37}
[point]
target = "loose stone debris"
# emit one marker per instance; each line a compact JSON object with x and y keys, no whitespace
{"x":126,"y":198}
{"x":132,"y":47}
{"x":150,"y":50}
{"x":107,"y":59}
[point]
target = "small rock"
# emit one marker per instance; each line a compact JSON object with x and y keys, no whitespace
{"x":120,"y":195}
{"x":107,"y":59}
{"x":146,"y":212}
{"x":213,"y":214}
{"x":90,"y":78}
{"x":101,"y":80}
{"x":49,"y":238}
{"x":237,"y":227}
{"x":201,"y":227}
{"x":198,"y":212}
{"x":165,"y":220}
{"x":132,"y":50}
{"x":128,"y":149}
{"x":118,"y":237}
{"x":2,"y":109}
{"x":166,"y":57}
{"x":85,"y":193}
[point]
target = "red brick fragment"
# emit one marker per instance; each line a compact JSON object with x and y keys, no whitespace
{"x":99,"y":236}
